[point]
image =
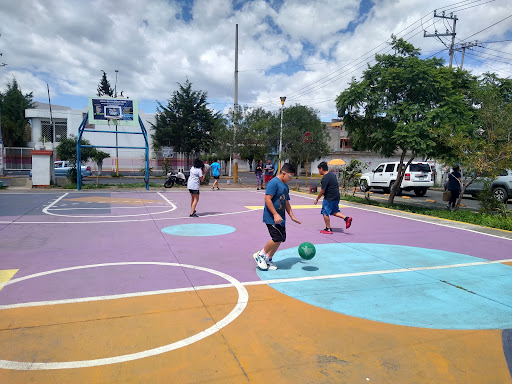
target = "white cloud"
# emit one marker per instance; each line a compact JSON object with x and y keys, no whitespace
{"x":296,"y":48}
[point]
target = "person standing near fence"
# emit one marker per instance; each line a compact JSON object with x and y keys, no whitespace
{"x":454,"y":186}
{"x":269,"y":171}
{"x":259,"y":175}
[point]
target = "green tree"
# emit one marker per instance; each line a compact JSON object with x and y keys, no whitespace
{"x":186,"y":123}
{"x":104,"y":88}
{"x":66,"y":150}
{"x":400,"y":105}
{"x":483,"y":147}
{"x":222,"y":137}
{"x":297,"y":120}
{"x":253,"y":133}
{"x":98,"y":157}
{"x":13,"y":104}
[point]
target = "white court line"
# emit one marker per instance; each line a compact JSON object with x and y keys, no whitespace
{"x":451,"y":226}
{"x":89,"y":208}
{"x":217,"y":286}
{"x":126,"y":220}
{"x":46,"y":210}
{"x":243,"y":298}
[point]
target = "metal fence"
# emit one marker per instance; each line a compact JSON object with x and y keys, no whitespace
{"x":17,"y":158}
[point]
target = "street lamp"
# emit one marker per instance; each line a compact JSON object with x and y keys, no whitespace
{"x":115,"y":85}
{"x":283,"y":99}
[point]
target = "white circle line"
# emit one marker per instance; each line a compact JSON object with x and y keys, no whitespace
{"x":243,"y":298}
{"x":125,"y":221}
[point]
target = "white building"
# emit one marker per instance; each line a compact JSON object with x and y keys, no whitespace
{"x":67,"y":121}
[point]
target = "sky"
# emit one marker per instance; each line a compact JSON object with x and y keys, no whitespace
{"x":305,"y":50}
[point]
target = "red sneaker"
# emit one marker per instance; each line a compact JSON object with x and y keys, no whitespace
{"x":326,"y":231}
{"x":348,"y":223}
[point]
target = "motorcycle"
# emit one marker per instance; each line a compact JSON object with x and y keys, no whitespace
{"x":175,"y":178}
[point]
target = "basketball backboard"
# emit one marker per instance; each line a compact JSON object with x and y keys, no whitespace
{"x":102,"y":110}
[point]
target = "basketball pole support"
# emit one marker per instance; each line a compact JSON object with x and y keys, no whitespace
{"x":79,"y":147}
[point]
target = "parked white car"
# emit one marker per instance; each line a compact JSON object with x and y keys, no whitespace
{"x":62,"y":167}
{"x":418,"y":178}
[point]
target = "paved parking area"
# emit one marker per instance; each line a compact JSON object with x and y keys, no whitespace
{"x":124,"y":287}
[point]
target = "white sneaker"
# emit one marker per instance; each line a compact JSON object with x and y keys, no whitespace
{"x":260,"y":261}
{"x":270,"y":264}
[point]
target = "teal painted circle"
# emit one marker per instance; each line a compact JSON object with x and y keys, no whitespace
{"x":198,"y":230}
{"x":375,"y":282}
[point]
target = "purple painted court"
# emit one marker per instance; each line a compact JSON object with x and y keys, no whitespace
{"x":123,"y":286}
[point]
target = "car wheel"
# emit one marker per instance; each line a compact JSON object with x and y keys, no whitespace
{"x":420,"y":192}
{"x":500,"y":194}
{"x":363,"y":186}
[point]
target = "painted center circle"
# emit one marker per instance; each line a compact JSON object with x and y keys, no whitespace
{"x":401,"y":285}
{"x":198,"y":230}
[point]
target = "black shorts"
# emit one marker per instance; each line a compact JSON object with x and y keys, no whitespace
{"x":277,"y":232}
{"x":216,"y":177}
{"x":194,"y":191}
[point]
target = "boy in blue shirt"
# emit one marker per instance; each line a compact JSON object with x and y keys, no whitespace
{"x":277,"y":196}
{"x":215,"y":167}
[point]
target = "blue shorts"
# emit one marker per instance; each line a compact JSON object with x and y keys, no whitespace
{"x":330,"y":207}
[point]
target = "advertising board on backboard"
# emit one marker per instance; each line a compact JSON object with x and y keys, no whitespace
{"x":103,"y":110}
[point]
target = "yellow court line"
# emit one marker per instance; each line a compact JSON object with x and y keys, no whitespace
{"x":6,"y":275}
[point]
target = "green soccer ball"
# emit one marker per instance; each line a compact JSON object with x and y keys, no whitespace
{"x":307,"y":251}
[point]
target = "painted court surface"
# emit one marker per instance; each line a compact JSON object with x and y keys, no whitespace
{"x":124,"y":287}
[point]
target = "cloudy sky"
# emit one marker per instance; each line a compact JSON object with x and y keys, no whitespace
{"x":306,"y":50}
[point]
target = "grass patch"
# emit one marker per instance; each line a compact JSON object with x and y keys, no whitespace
{"x":465,"y":216}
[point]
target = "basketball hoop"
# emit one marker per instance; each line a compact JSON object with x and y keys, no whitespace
{"x":113,"y":113}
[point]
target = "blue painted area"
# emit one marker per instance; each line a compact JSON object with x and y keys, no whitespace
{"x":198,"y":230}
{"x":476,"y":297}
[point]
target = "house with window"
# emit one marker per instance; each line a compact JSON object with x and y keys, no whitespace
{"x":45,"y":127}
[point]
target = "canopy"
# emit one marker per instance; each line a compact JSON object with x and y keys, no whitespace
{"x":336,"y":162}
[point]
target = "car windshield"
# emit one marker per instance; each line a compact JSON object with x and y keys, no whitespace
{"x":419,"y":167}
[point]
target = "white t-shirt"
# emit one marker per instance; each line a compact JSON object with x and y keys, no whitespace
{"x":194,"y":180}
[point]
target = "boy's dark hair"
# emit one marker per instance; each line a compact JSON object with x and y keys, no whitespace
{"x":456,"y":169}
{"x":198,"y":163}
{"x":323,"y":165}
{"x":289,"y":168}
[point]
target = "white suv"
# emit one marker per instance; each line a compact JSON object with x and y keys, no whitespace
{"x":417,"y":178}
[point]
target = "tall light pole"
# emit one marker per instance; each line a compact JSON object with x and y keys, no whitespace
{"x":283,"y":99}
{"x":115,"y":85}
{"x":117,"y":149}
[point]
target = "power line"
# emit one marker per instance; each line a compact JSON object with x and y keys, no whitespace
{"x":509,"y":16}
{"x":332,"y":77}
{"x":363,"y":59}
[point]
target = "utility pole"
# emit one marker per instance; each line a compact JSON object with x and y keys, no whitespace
{"x":1,"y":141}
{"x":452,"y":34}
{"x":463,"y":47}
{"x":235,"y":160}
